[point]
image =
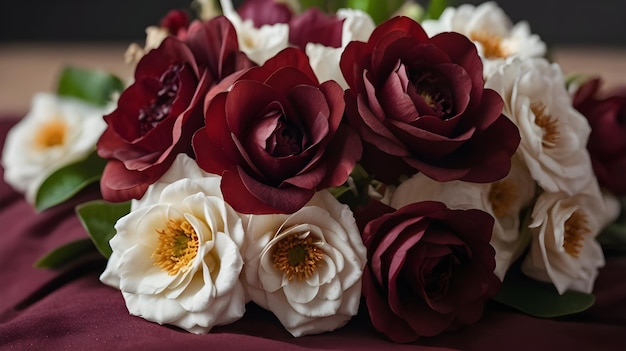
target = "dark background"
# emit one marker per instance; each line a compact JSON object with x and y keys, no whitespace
{"x":598,"y":22}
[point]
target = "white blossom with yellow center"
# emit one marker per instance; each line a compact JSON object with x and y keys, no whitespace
{"x":56,"y":132}
{"x":563,"y":249}
{"x":176,"y":255}
{"x":306,"y":267}
{"x":491,"y":30}
{"x":504,"y":200}
{"x":553,"y":134}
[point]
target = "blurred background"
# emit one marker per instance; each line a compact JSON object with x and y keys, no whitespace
{"x":39,"y":37}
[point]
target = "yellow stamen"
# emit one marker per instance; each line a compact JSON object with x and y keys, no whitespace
{"x":502,"y":196}
{"x":297,"y":256}
{"x":548,"y":124}
{"x":178,"y":246}
{"x":575,"y":228}
{"x":492,"y":44}
{"x":51,"y":133}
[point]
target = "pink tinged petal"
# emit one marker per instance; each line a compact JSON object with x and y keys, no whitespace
{"x":370,"y":128}
{"x":372,"y":99}
{"x":119,"y":184}
{"x":389,"y":240}
{"x":393,"y":97}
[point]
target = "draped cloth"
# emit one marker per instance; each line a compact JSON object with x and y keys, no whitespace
{"x":70,"y":309}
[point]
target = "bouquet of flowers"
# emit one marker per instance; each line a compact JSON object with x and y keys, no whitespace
{"x":310,"y":158}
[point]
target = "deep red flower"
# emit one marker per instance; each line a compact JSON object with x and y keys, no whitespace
{"x":276,"y":137}
{"x":263,"y":12}
{"x":607,"y":141}
{"x":314,"y":26}
{"x":429,"y":269}
{"x":419,"y":104}
{"x":176,"y":21}
{"x":157,"y":115}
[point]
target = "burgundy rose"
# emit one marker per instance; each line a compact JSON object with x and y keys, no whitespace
{"x":157,"y":115}
{"x":429,"y":269}
{"x":314,"y":26}
{"x":419,"y":104}
{"x":154,"y":120}
{"x":263,"y":12}
{"x":275,"y":136}
{"x":607,"y":141}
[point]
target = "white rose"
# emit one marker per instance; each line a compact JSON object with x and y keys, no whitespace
{"x":260,"y":44}
{"x":324,"y":60}
{"x":176,"y":255}
{"x":504,"y":200}
{"x":491,"y":30}
{"x":553,"y":134}
{"x":563,"y":249}
{"x":56,"y":132}
{"x":306,"y":267}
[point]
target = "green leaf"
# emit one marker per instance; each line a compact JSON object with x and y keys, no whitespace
{"x":65,"y":254}
{"x":435,"y":9}
{"x":379,"y":10}
{"x":67,"y":181}
{"x":328,"y":6}
{"x":94,"y":87}
{"x":99,"y":218}
{"x":540,"y":299}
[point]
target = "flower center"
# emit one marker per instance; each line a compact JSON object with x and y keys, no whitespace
{"x":502,"y":196}
{"x":177,"y":248}
{"x":548,"y":125}
{"x":575,"y":228}
{"x":297,"y":256}
{"x":51,"y":133}
{"x":286,"y":140}
{"x":433,"y":90}
{"x":161,"y":105}
{"x":492,"y":44}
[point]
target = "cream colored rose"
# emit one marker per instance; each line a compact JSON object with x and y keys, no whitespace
{"x":504,"y":200}
{"x":176,"y":255}
{"x":306,"y":267}
{"x":563,"y":249}
{"x":553,"y":134}
{"x":56,"y":132}
{"x":495,"y":36}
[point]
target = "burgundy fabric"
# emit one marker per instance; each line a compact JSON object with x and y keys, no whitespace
{"x":71,"y":309}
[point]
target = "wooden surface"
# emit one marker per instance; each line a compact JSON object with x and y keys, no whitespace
{"x":26,"y":69}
